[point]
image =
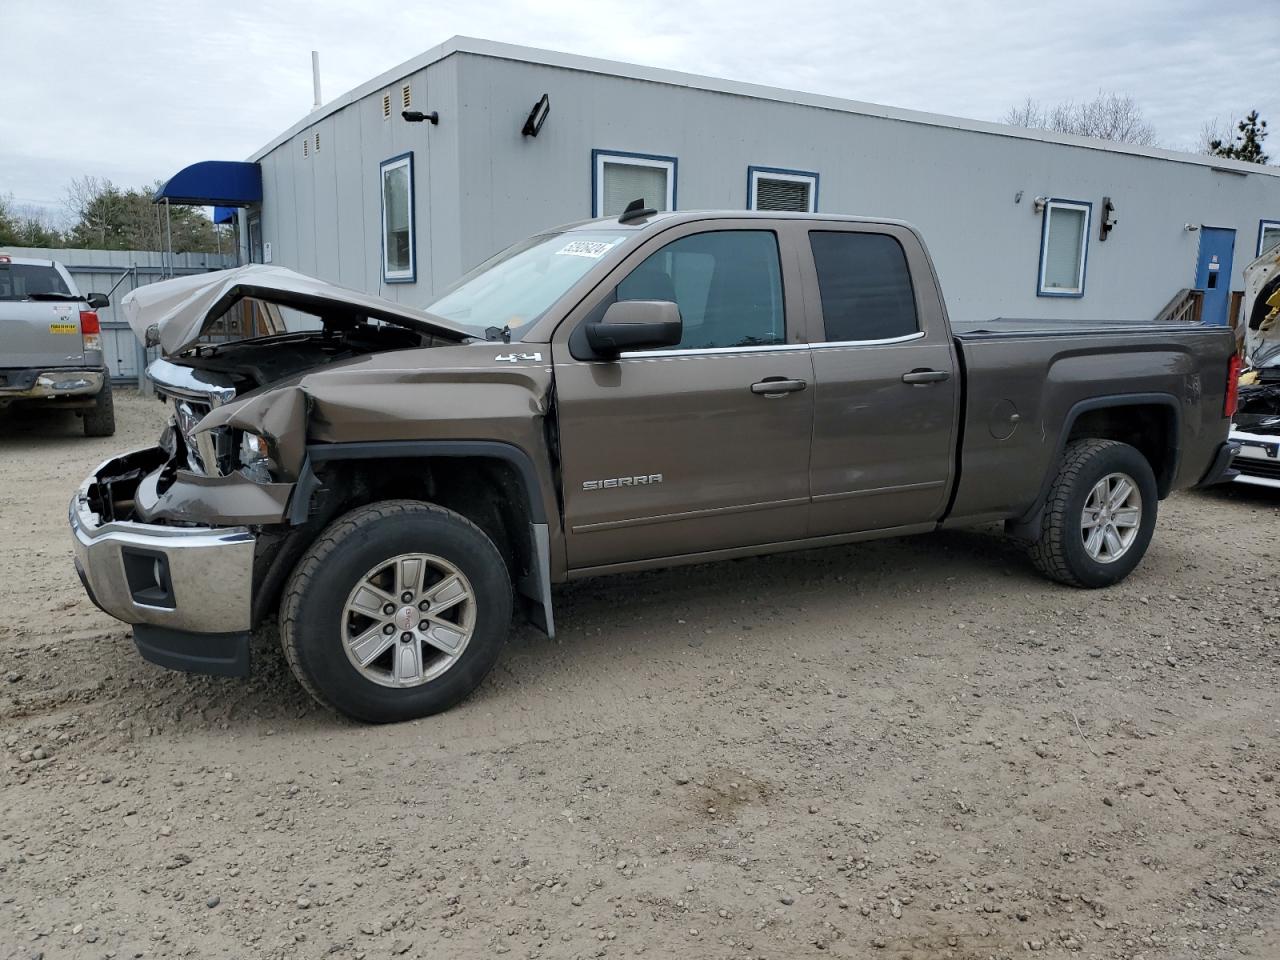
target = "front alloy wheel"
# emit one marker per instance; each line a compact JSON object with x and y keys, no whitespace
{"x":408,"y":620}
{"x":397,"y":611}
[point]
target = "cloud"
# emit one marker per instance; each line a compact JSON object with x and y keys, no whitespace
{"x":134,"y":91}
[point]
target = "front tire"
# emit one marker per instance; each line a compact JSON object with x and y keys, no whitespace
{"x":397,"y":611}
{"x":1099,"y":517}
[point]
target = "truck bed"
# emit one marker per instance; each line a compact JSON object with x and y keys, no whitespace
{"x":1026,"y":382}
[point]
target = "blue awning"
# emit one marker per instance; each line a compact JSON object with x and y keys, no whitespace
{"x":224,"y":183}
{"x":224,"y":214}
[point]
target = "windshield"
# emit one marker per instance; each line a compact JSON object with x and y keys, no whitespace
{"x":21,"y":281}
{"x":518,"y":285}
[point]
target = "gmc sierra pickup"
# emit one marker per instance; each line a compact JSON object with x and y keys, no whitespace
{"x":390,"y":486}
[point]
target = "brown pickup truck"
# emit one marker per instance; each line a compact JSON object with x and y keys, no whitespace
{"x":391,"y":485}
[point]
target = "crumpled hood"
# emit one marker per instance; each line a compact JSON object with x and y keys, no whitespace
{"x":1262,"y":310}
{"x":174,"y":313}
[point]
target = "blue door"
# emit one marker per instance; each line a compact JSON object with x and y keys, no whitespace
{"x":1213,"y":272}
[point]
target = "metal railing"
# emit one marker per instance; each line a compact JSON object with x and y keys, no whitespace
{"x":1185,"y":307}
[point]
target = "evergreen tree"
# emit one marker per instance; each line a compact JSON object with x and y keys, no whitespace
{"x":1247,"y":145}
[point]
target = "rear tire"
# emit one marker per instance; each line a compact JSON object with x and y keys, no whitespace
{"x":371,"y":612}
{"x":1099,"y":517}
{"x":100,"y":419}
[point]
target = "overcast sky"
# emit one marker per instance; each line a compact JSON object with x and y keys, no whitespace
{"x":133,"y":90}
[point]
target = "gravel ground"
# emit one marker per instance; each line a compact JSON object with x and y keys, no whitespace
{"x":907,"y":749}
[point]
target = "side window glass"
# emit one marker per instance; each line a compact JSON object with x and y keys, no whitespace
{"x":865,"y":286}
{"x":727,"y":283}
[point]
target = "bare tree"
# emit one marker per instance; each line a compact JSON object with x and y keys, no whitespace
{"x":1212,"y":131}
{"x":1108,"y":116}
{"x":1027,"y":114}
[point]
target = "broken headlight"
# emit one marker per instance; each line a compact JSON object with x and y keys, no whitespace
{"x":254,"y":457}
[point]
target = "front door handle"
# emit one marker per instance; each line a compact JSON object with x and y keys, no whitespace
{"x":926,"y":376}
{"x":777,"y":387}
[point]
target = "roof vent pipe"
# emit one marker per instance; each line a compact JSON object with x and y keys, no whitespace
{"x":315,"y":79}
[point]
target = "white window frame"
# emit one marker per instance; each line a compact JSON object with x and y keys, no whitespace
{"x":389,"y":275}
{"x":754,"y":175}
{"x":1263,"y":227}
{"x":1055,"y":204}
{"x":600,"y":157}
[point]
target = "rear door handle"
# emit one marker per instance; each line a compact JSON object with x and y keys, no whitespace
{"x":777,"y":387}
{"x":926,"y":376}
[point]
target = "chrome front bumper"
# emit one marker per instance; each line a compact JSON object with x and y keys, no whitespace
{"x":188,"y":579}
{"x":1259,"y":458}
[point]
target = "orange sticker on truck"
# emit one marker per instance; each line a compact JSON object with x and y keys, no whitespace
{"x":63,"y":328}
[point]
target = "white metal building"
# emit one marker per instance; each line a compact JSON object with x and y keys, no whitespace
{"x":1020,"y":223}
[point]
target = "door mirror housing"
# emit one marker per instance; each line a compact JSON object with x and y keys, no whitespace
{"x":97,"y":300}
{"x":635,"y":325}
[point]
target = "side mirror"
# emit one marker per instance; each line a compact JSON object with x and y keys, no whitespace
{"x":636,"y":325}
{"x":97,"y":300}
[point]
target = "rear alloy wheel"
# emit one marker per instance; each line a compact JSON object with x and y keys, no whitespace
{"x":1101,"y":512}
{"x":1111,"y":518}
{"x":397,"y":611}
{"x":100,"y":419}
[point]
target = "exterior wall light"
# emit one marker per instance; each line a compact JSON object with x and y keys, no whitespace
{"x":417,"y":116}
{"x":537,"y":117}
{"x":1108,"y":221}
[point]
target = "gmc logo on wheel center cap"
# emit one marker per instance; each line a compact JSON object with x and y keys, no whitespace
{"x":406,"y":618}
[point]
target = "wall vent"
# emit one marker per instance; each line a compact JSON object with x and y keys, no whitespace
{"x":406,"y":94}
{"x":779,"y":194}
{"x":386,"y":106}
{"x":317,"y":141}
{"x":306,"y":146}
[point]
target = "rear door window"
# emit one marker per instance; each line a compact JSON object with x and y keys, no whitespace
{"x":18,"y":281}
{"x":727,"y":284}
{"x":865,"y":286}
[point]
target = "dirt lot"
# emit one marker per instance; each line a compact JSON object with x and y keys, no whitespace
{"x":915,"y":748}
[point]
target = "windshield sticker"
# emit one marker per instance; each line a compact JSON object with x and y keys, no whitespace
{"x":592,"y":249}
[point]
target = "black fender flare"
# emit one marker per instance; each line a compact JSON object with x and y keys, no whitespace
{"x":537,"y":586}
{"x":1030,"y":521}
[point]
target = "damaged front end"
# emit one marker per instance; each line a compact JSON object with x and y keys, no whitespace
{"x":1256,"y":425}
{"x":221,"y":465}
{"x":186,"y":589}
{"x":1257,"y":429}
{"x":173,"y":538}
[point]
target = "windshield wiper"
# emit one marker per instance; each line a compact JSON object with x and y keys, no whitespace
{"x":52,"y":296}
{"x":502,"y":333}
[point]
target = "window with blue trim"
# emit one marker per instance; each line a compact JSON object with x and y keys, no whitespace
{"x":1064,"y":246}
{"x":1268,"y":236}
{"x":399,"y":251}
{"x":619,"y":178}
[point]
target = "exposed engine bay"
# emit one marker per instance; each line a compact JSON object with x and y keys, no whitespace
{"x":1256,"y":424}
{"x":250,"y":364}
{"x":1259,"y":405}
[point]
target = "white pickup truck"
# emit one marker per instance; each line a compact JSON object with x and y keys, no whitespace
{"x":1256,"y":427}
{"x":50,"y":343}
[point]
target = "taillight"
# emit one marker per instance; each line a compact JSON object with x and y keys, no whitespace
{"x":1233,"y":387}
{"x":90,"y":330}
